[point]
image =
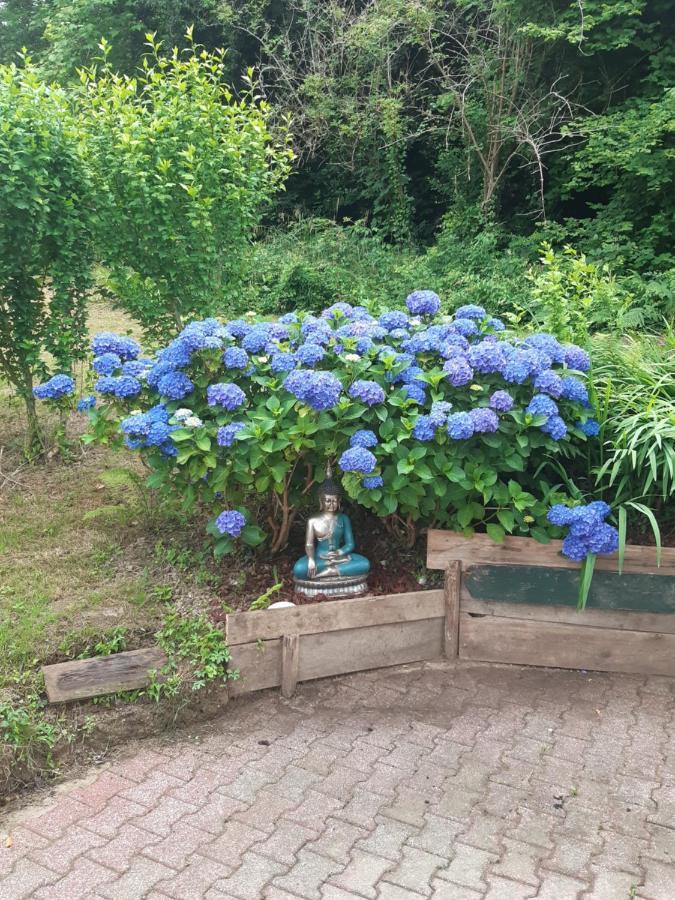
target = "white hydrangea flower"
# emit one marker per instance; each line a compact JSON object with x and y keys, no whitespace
{"x":182,"y":413}
{"x":352,"y":357}
{"x":193,"y":422}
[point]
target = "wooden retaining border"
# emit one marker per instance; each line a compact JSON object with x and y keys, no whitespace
{"x":504,"y":603}
{"x":517,"y":604}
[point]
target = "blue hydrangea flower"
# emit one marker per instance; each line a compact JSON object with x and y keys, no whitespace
{"x":496,"y":324}
{"x":56,"y":388}
{"x":542,"y":405}
{"x":591,"y":428}
{"x":486,"y":357}
{"x":227,"y":434}
{"x":320,"y":390}
{"x":440,"y":410}
{"x":235,"y":358}
{"x":573,"y":389}
{"x":485,"y":420}
{"x":309,"y":354}
{"x":546,"y":343}
{"x":137,"y":368}
{"x":603,"y":539}
{"x":556,"y":427}
{"x":416,"y":393}
{"x":175,"y":386}
{"x":423,"y":303}
{"x":337,"y":310}
{"x":256,"y":340}
{"x":363,"y":438}
{"x":559,"y":514}
{"x":599,"y":508}
{"x":575,"y":548}
{"x":122,"y":387}
{"x":458,"y":371}
{"x":106,"y":363}
{"x":282,"y":362}
{"x":177,"y":354}
{"x":576,"y":358}
{"x":460,"y":426}
{"x":502,"y":401}
{"x":372,"y":482}
{"x":108,"y":342}
{"x":517,"y":367}
{"x":465,"y":327}
{"x":289,"y":318}
{"x":470,"y":311}
{"x":86,"y":403}
{"x":225,"y":394}
{"x":424,"y":429}
{"x":368,"y":392}
{"x":231,"y":522}
{"x":357,"y":459}
{"x":393,"y":320}
{"x":549,"y":382}
{"x":238,"y":328}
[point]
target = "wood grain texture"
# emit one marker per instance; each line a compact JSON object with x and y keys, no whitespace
{"x":635,"y":591}
{"x":339,"y":652}
{"x":452,"y":588}
{"x":444,"y":546}
{"x":243,"y":628}
{"x":84,"y":678}
{"x":290,"y":657}
{"x":561,"y":645}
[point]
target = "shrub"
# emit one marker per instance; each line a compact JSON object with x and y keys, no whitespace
{"x":44,"y":236}
{"x":183,"y":169}
{"x":432,"y":421}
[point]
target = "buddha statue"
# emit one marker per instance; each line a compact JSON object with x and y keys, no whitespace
{"x":330,"y":567}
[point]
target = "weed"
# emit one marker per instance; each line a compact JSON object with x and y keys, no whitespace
{"x":264,"y":600}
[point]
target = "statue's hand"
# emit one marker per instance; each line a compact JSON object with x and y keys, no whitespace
{"x":311,"y":568}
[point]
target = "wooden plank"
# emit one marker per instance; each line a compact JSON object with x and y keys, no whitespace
{"x":359,"y":649}
{"x":444,"y":546}
{"x":589,"y":618}
{"x":259,"y":666}
{"x":84,"y":678}
{"x":243,"y":628}
{"x":639,"y":592}
{"x":339,"y":652}
{"x":290,"y":656}
{"x":453,"y":579}
{"x":557,"y":645}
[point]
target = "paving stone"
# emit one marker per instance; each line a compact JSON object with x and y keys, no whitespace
{"x":295,"y":782}
{"x":178,"y":846}
{"x":136,"y":768}
{"x":408,"y":807}
{"x":457,"y":804}
{"x":194,"y":880}
{"x":85,"y":878}
{"x":560,"y":887}
{"x":445,"y":890}
{"x":486,"y":832}
{"x":340,"y":782}
{"x":116,"y":813}
{"x":200,"y":788}
{"x":142,"y":875}
{"x":128,"y":843}
{"x":215,"y":813}
{"x":612,"y":886}
{"x":59,"y":817}
{"x":505,"y":889}
{"x":437,"y":836}
{"x":362,"y":809}
{"x":387,"y":891}
{"x":388,"y":839}
{"x":250,"y":879}
{"x":659,"y":883}
{"x":337,"y":840}
{"x":468,"y":867}
{"x":362,"y":873}
{"x":235,"y":839}
{"x":25,"y":878}
{"x":285,"y":841}
{"x":569,"y":857}
{"x":308,"y":875}
{"x":384,"y":780}
{"x":266,"y":811}
{"x":161,"y":819}
{"x":101,"y":789}
{"x":519,"y":862}
{"x":321,"y":758}
{"x":247,"y":785}
{"x":60,"y":855}
{"x":416,"y":870}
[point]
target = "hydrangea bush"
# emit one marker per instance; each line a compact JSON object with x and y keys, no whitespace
{"x":431,"y":420}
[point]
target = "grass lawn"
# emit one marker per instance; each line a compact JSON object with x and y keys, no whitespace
{"x":84,"y":550}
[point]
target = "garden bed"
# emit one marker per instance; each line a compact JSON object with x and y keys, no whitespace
{"x":505,"y":603}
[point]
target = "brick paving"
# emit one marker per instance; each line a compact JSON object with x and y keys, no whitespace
{"x":451,"y":782}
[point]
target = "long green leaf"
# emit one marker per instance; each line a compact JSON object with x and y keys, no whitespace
{"x":587,"y":568}
{"x":622,"y":536}
{"x":646,"y":511}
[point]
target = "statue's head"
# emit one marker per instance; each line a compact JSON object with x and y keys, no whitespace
{"x":329,"y":493}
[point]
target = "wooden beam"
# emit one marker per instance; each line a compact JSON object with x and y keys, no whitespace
{"x":290,"y":657}
{"x":445,"y":546}
{"x":268,"y":624}
{"x":84,"y":678}
{"x":453,"y":581}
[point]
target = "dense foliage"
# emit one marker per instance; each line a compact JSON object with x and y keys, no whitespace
{"x":182,"y":170}
{"x":45,"y":247}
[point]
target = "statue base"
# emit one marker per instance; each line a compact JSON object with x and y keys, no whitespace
{"x":349,"y":586}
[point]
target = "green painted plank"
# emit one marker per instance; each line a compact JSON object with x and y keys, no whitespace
{"x":549,"y":587}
